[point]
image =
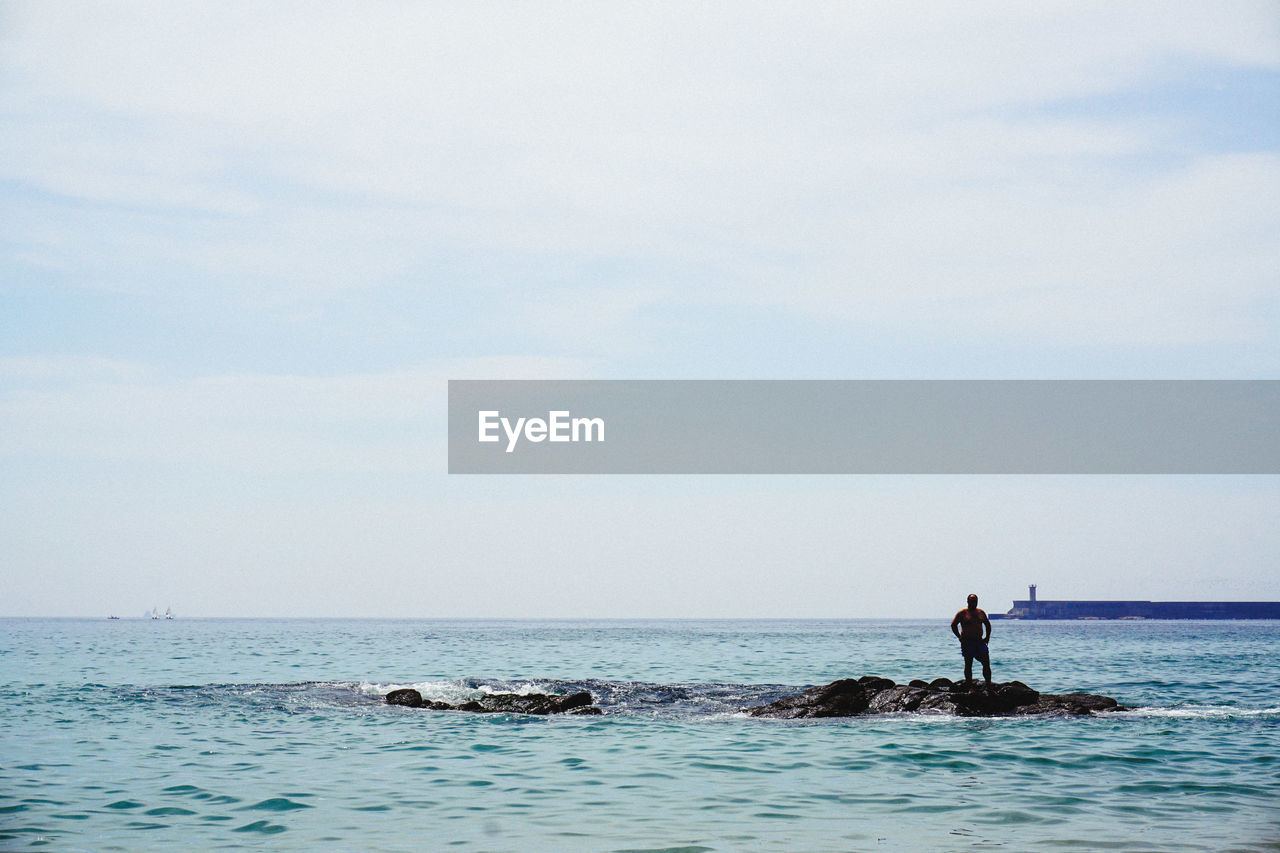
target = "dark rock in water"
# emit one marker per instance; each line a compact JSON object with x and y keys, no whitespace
{"x":843,"y":698}
{"x":1018,"y":693}
{"x":897,"y":698}
{"x":1077,"y":704}
{"x":532,"y":703}
{"x":871,"y":695}
{"x":875,"y":682}
{"x":937,"y":703}
{"x":498,"y":703}
{"x":979,"y":699}
{"x":407,"y":696}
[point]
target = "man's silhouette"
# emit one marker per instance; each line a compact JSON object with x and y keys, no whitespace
{"x":973,"y":628}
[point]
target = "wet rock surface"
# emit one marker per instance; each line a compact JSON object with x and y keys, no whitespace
{"x":501,"y":703}
{"x":850,"y":697}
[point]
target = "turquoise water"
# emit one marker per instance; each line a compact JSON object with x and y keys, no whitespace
{"x":224,"y":734}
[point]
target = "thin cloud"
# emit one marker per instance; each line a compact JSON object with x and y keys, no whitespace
{"x":871,"y":166}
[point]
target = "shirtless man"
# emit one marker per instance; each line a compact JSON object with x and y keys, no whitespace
{"x":973,"y":628}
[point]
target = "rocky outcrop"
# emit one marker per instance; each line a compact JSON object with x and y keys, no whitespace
{"x":498,"y":703}
{"x":850,"y":697}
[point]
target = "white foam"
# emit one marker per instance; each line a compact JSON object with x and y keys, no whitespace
{"x":451,"y":690}
{"x":1202,"y":712}
{"x":519,"y":690}
{"x":448,"y":690}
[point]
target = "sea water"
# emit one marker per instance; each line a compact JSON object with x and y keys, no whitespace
{"x":224,"y":734}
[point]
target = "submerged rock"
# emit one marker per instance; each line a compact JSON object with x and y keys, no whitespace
{"x":871,"y":695}
{"x":498,"y":703}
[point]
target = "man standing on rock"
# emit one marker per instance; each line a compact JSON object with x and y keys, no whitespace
{"x":973,"y":628}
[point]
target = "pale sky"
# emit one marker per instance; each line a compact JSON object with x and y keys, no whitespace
{"x":243,"y":246}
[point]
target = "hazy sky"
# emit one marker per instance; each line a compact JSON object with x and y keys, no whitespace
{"x":244,"y":245}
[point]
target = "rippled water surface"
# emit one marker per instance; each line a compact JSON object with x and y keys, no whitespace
{"x":208,"y":734}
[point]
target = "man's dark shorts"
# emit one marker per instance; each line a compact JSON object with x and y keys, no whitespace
{"x":974,"y":649}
